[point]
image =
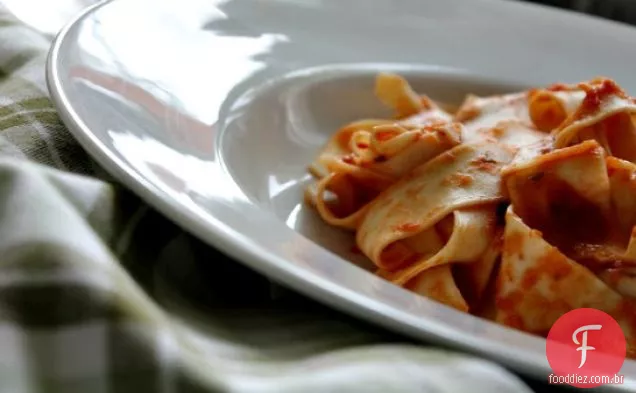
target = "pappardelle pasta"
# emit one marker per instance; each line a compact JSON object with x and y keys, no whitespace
{"x":517,"y":208}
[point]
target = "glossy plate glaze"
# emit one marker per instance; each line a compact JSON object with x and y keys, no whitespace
{"x":211,"y":111}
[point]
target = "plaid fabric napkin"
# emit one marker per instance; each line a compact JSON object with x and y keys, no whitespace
{"x":99,"y":293}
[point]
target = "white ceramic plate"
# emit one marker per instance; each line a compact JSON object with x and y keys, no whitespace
{"x":211,"y":111}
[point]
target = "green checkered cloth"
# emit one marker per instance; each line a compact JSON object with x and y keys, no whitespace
{"x":100,"y":293}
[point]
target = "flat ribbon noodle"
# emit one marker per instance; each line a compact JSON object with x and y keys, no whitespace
{"x":461,"y":285}
{"x":460,"y":178}
{"x":537,"y":284}
{"x":350,"y":204}
{"x":412,"y":109}
{"x":473,"y":231}
{"x":395,"y":92}
{"x":375,"y":153}
{"x":474,"y":278}
{"x":550,"y":107}
{"x":375,"y":177}
{"x":469,"y":239}
{"x":512,"y":133}
{"x":429,"y":142}
{"x":413,"y":113}
{"x":433,"y":115}
{"x":622,"y":178}
{"x":622,"y":281}
{"x":605,"y":115}
{"x":437,"y":283}
{"x":338,"y":146}
{"x":553,"y":185}
{"x":583,"y":202}
{"x":484,"y":113}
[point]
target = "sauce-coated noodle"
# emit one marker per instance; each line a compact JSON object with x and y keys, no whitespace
{"x":517,"y":208}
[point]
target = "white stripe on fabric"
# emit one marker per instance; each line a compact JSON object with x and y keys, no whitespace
{"x":381,"y":369}
{"x":47,"y":139}
{"x":12,"y":149}
{"x":168,"y":357}
{"x":13,"y":359}
{"x":72,"y":352}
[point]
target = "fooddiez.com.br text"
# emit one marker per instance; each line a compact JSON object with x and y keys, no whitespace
{"x":569,"y":379}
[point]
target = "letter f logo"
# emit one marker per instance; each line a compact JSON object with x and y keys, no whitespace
{"x":583,"y":344}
